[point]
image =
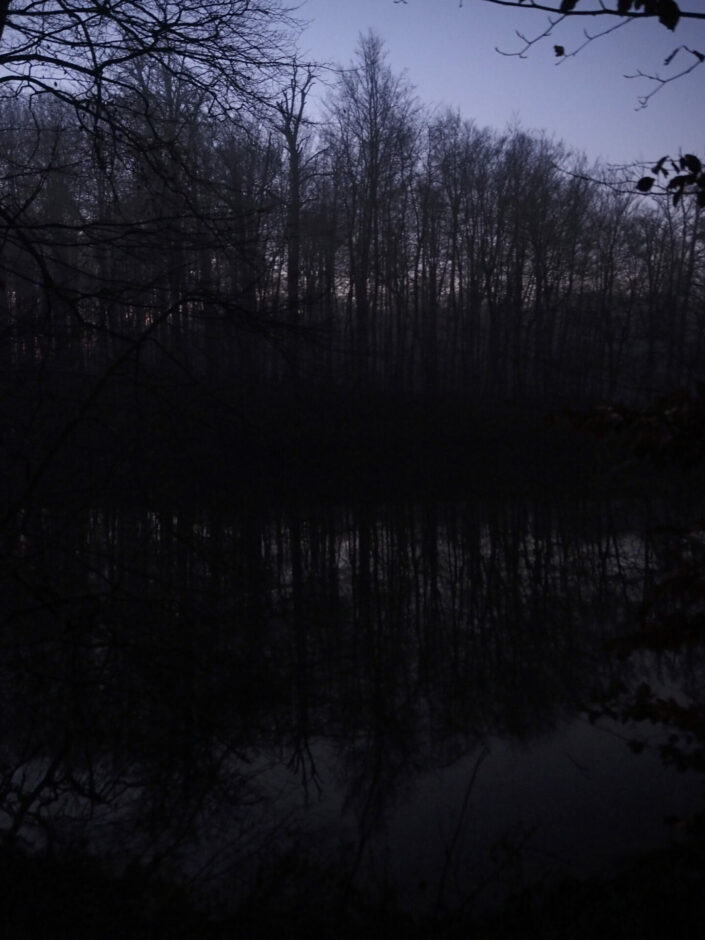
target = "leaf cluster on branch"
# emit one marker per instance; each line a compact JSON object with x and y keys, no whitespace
{"x":667,"y":11}
{"x":619,"y":14}
{"x":686,"y":176}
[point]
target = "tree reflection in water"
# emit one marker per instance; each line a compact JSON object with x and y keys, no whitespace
{"x":203,"y":692}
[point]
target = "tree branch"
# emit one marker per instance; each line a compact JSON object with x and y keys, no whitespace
{"x":662,"y":82}
{"x":601,"y":10}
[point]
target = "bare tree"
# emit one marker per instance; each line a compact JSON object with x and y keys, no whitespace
{"x":89,"y":55}
{"x":371,"y":136}
{"x":291,"y":109}
{"x":134,"y":84}
{"x":77,"y":51}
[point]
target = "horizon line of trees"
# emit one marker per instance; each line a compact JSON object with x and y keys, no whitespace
{"x":386,"y":249}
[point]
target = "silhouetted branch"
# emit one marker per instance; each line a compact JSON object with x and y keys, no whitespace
{"x":662,"y":82}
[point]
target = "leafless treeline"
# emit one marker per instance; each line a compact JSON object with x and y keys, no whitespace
{"x":381,"y":248}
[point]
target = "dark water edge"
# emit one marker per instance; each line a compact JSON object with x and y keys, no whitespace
{"x":653,"y":895}
{"x":187,"y":449}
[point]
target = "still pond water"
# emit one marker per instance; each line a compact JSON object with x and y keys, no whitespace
{"x":400,"y":694}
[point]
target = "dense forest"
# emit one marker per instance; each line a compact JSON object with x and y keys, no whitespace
{"x":293,"y":256}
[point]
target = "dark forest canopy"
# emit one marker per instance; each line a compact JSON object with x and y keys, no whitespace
{"x":433,"y":255}
{"x":193,"y":251}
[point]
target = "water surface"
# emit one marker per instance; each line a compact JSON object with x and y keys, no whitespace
{"x":396,"y":693}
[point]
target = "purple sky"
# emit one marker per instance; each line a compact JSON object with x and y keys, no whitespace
{"x":448,"y":53}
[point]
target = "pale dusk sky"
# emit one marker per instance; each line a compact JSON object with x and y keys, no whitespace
{"x":448,"y":53}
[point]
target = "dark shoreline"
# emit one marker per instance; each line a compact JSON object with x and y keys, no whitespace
{"x":652,"y":896}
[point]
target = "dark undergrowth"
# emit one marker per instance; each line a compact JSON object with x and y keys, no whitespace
{"x":163,"y":440}
{"x":656,"y":896}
